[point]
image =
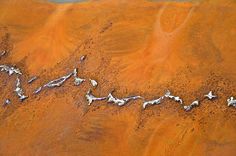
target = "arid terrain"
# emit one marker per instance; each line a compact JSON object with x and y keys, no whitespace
{"x":137,"y":47}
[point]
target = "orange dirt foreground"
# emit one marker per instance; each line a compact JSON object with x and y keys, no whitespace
{"x":136,"y":47}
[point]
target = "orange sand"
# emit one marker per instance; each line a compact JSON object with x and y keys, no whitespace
{"x":136,"y":46}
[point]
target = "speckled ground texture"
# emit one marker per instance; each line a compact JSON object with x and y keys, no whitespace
{"x":137,"y":47}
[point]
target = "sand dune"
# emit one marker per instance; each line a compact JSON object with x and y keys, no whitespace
{"x":137,"y":47}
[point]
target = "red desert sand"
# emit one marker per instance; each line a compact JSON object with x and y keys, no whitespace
{"x":137,"y":47}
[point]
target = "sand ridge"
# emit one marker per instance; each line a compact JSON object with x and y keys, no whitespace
{"x":124,"y":41}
